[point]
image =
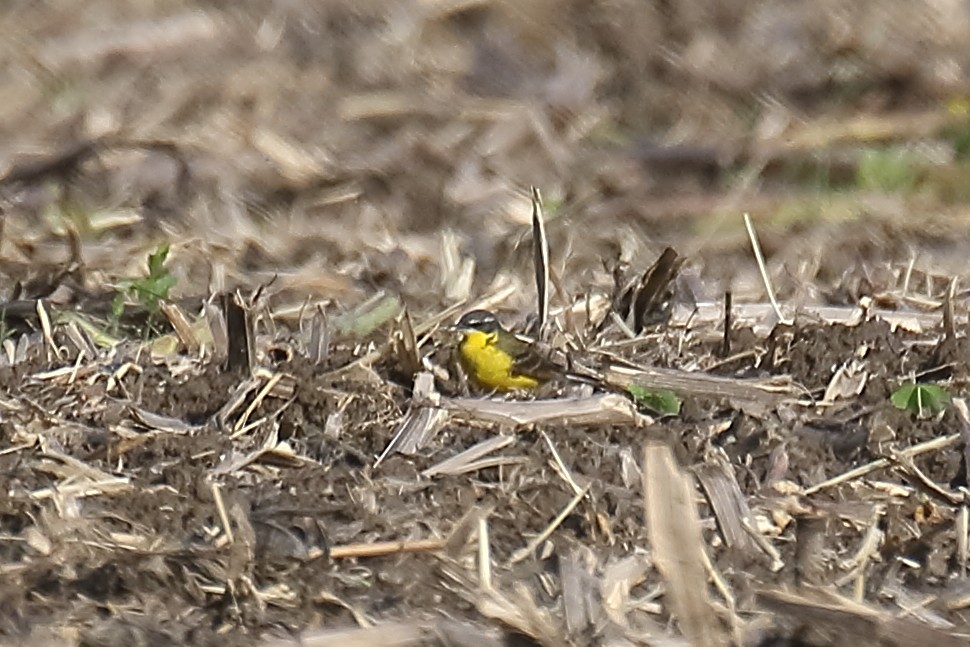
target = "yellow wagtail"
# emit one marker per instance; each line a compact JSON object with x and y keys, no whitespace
{"x":498,"y":359}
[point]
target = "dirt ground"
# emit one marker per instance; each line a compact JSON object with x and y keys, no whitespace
{"x":358,"y":174}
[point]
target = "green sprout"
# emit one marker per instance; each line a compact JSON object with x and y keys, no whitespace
{"x":148,"y":290}
{"x":659,"y":401}
{"x":925,"y":400}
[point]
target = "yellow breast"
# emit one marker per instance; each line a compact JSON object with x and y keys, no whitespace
{"x":490,"y":366}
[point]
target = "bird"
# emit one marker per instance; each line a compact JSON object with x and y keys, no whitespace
{"x":498,"y":359}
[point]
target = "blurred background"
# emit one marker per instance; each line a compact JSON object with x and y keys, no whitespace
{"x":352,"y":146}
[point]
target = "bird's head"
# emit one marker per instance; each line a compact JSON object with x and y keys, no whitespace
{"x":480,"y":320}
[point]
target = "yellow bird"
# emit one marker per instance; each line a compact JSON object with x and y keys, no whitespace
{"x":498,"y":359}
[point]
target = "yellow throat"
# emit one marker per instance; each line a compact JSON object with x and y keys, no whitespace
{"x":489,"y":365}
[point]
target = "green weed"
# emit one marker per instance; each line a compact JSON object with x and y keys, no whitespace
{"x":891,"y":170}
{"x":148,"y":290}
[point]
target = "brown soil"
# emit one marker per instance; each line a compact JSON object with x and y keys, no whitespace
{"x":173,"y":578}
